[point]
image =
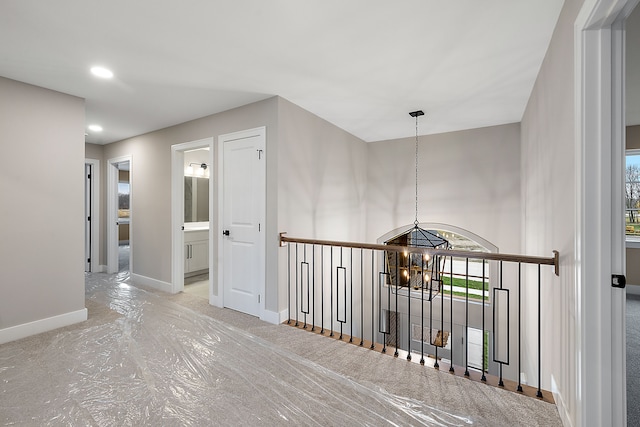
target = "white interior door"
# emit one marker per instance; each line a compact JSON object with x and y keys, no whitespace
{"x":243,"y":207}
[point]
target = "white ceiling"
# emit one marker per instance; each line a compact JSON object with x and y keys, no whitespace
{"x":360,"y":64}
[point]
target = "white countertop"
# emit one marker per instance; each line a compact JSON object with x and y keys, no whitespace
{"x":196,"y":226}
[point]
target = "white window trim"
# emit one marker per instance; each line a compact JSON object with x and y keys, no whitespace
{"x":632,"y":242}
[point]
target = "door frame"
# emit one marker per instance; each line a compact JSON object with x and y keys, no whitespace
{"x":112,"y":212}
{"x":95,"y":214}
{"x":599,"y":51}
{"x":177,"y":213}
{"x":261,"y":132}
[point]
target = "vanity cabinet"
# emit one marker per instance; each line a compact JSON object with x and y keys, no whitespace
{"x":196,"y":251}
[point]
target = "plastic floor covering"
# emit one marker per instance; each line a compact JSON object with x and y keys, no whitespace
{"x":143,"y":359}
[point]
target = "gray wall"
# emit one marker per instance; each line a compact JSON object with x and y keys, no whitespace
{"x":548,"y":195}
{"x":321,"y":177}
{"x":469,"y":179}
{"x":322,"y":182}
{"x":41,"y":186}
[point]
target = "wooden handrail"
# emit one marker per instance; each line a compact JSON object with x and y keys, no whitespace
{"x":431,"y":251}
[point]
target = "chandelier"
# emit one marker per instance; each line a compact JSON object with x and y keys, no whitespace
{"x":416,"y":271}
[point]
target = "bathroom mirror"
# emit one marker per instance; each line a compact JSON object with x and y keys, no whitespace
{"x":196,"y":199}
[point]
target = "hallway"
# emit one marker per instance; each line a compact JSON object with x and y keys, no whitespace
{"x":149,"y":358}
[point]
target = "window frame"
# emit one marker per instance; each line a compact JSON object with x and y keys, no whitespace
{"x":631,"y":241}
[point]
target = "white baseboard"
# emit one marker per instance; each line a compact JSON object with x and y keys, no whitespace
{"x":152,"y":283}
{"x":216,"y":301}
{"x":99,"y":269}
{"x":43,"y":325}
{"x":274,"y":317}
{"x":633,"y":289}
{"x":560,"y":405}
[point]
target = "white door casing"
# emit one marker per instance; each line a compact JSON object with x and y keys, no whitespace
{"x":95,"y":214}
{"x":242,"y":227}
{"x":112,"y":212}
{"x":599,"y":88}
{"x":178,"y":246}
{"x":88,"y":210}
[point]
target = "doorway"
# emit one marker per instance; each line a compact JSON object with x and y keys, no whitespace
{"x":119,"y":215}
{"x":600,"y":243}
{"x":92,"y":219}
{"x":632,"y":125}
{"x":192,"y":214}
{"x":242,"y":206}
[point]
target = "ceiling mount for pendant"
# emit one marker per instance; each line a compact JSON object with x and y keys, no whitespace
{"x":416,"y":114}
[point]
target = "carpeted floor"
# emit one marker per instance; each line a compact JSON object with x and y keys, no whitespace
{"x":149,"y":358}
{"x":633,"y":360}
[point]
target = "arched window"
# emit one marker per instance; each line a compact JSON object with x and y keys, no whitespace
{"x":442,"y":273}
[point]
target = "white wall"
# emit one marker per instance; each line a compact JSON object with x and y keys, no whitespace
{"x":42,"y":227}
{"x":549,"y":218}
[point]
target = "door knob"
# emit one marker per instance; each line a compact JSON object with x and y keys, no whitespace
{"x":225,"y":232}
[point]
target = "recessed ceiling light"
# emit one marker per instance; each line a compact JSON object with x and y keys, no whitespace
{"x":95,"y":128}
{"x":102,"y":72}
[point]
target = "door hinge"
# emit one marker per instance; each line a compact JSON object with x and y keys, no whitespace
{"x":89,"y":260}
{"x":89,"y":176}
{"x":259,"y":154}
{"x":258,"y":226}
{"x":258,"y":299}
{"x":618,"y":280}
